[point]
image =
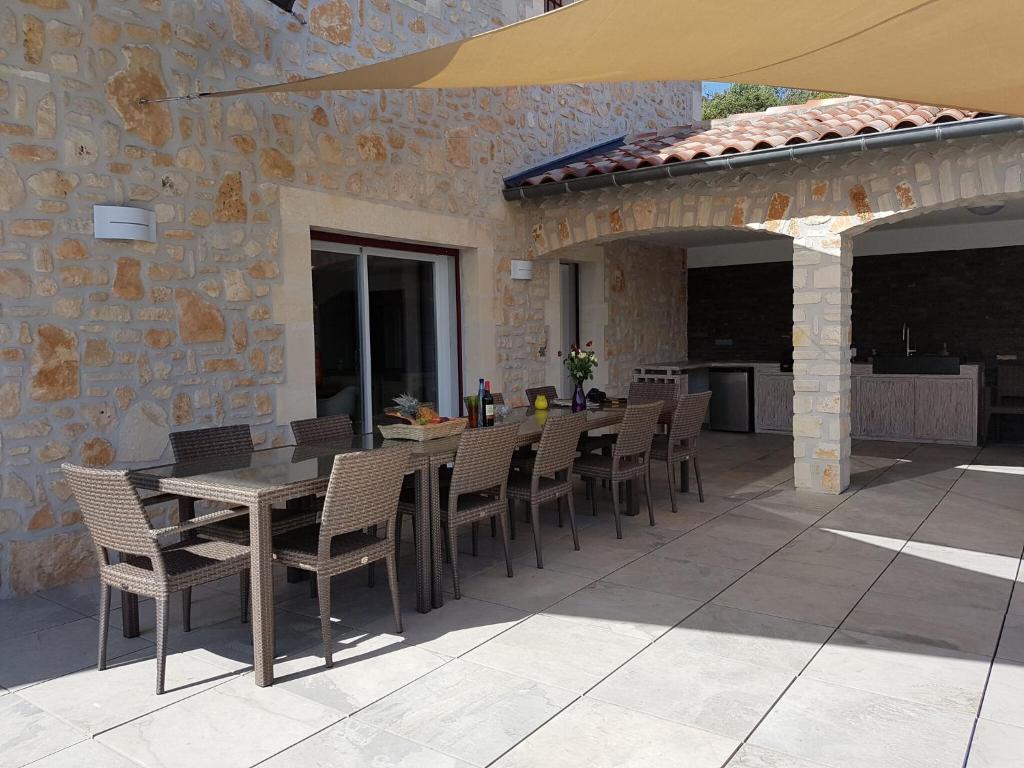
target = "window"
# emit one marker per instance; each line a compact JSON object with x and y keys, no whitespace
{"x":551,"y":5}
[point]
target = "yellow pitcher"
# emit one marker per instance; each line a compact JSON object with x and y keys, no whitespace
{"x":540,"y":403}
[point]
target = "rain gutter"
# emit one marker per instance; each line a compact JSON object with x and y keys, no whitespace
{"x":979,"y":126}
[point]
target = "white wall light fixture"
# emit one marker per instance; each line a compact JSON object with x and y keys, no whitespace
{"x":522,"y":270}
{"x":120,"y":222}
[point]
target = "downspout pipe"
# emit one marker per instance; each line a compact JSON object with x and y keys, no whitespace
{"x":979,"y":126}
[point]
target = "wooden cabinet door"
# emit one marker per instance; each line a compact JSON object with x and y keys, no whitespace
{"x":945,"y":409}
{"x":883,"y":407}
{"x":773,"y":402}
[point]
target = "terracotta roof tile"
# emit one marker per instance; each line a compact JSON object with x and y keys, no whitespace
{"x":776,"y":127}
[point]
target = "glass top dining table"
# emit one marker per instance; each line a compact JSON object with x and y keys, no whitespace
{"x":272,"y":476}
{"x":268,"y":468}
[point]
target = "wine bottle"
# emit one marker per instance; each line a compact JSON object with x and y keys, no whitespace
{"x":480,"y":421}
{"x":488,"y":405}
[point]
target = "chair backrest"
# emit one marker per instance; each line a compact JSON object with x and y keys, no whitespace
{"x":557,"y":449}
{"x":1010,"y":382}
{"x":688,"y":417}
{"x":195,"y":444}
{"x":548,"y":391}
{"x":649,"y":391}
{"x":636,"y":431}
{"x":363,"y":491}
{"x":325,"y":429}
{"x":112,"y":512}
{"x":483,"y":460}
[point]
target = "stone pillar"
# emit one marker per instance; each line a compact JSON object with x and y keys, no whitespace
{"x":822,"y":331}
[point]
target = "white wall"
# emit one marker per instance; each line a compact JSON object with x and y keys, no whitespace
{"x":879,"y":241}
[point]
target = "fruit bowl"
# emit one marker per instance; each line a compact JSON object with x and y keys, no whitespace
{"x":423,"y":432}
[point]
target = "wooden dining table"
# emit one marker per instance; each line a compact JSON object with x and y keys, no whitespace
{"x":257,"y":481}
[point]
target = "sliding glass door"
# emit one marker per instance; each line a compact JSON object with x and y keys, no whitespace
{"x":385,"y":326}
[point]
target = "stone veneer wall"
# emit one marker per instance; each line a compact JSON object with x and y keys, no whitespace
{"x":646,"y":289}
{"x":107,"y":346}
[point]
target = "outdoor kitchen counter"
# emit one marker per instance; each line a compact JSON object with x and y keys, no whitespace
{"x":901,"y":407}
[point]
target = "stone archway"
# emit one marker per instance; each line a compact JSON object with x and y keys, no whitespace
{"x":821,"y":206}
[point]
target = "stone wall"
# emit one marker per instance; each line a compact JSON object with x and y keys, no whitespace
{"x":647,"y":290}
{"x":107,"y":346}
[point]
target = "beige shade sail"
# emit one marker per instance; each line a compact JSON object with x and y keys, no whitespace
{"x":959,"y":53}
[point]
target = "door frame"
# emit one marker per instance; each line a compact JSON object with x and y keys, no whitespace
{"x":447,"y":330}
{"x":302,"y":211}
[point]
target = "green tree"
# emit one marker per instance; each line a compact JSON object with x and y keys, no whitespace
{"x":742,"y":97}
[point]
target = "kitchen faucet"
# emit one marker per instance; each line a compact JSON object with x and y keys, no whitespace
{"x":906,"y":338}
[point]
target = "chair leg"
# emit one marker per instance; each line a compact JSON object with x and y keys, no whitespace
{"x":535,"y":522}
{"x":560,"y":516}
{"x":696,"y":471}
{"x":671,"y":484}
{"x":475,"y":534}
{"x":647,"y":491}
{"x":503,"y":527}
{"x":593,"y":496}
{"x":186,"y":610}
{"x":512,"y":519}
{"x":324,"y":591}
{"x":572,"y":521}
{"x":396,"y":604}
{"x":398,"y":534}
{"x":615,"y":509}
{"x":101,"y":657}
{"x":161,"y":642}
{"x":243,"y":595}
{"x":453,"y":549}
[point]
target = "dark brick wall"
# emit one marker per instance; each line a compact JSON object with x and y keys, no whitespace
{"x":751,"y":304}
{"x":971,"y":300}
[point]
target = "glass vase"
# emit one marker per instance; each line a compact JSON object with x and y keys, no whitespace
{"x":579,"y":398}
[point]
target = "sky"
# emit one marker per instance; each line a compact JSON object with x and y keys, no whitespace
{"x":711,"y":88}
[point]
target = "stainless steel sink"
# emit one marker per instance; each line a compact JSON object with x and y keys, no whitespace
{"x":919,"y":364}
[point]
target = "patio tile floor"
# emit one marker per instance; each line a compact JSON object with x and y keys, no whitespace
{"x":763,"y":629}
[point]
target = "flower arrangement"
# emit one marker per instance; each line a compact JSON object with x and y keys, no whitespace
{"x":580,"y":362}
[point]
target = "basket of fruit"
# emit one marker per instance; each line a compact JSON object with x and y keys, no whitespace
{"x":419,"y":422}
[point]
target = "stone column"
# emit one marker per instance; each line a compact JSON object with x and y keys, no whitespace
{"x":822,"y":293}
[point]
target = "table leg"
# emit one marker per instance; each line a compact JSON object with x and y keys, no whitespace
{"x":632,"y":498}
{"x":262,"y":587}
{"x":129,"y":614}
{"x":436,"y":541}
{"x":424,"y":572}
{"x":130,"y":606}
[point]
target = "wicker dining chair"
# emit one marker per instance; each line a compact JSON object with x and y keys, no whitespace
{"x":648,"y":391}
{"x":116,"y":520}
{"x":325,"y":429}
{"x":680,"y":444}
{"x":548,"y":476}
{"x":357,"y":527}
{"x":232,"y":440}
{"x":477,"y":488}
{"x":549,"y":392}
{"x":629,"y":459}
